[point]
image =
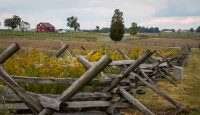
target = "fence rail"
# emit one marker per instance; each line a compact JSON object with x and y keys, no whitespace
{"x":114,"y":91}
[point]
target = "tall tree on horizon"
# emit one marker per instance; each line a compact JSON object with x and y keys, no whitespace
{"x":117,"y":26}
{"x":72,"y":23}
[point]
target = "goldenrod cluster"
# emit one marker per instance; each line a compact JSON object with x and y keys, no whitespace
{"x":37,"y":64}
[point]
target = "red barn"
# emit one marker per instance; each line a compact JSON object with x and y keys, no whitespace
{"x":45,"y":27}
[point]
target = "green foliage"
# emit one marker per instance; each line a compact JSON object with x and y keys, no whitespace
{"x":102,"y":30}
{"x":72,"y":23}
{"x":133,"y":30}
{"x":198,"y":29}
{"x":148,"y":30}
{"x":105,"y":30}
{"x":12,"y":22}
{"x":5,"y":110}
{"x":97,"y":27}
{"x":117,"y":26}
{"x":191,"y":30}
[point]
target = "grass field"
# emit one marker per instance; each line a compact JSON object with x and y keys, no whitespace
{"x":169,"y":35}
{"x":188,"y":94}
{"x":55,"y":36}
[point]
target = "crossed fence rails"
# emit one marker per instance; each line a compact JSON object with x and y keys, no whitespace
{"x":115,"y":91}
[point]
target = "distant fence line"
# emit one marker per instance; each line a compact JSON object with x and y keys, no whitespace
{"x":172,"y":44}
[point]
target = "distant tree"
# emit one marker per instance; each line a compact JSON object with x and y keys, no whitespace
{"x":147,"y":30}
{"x":191,"y":30}
{"x":151,"y":30}
{"x":173,"y":30}
{"x":97,"y":27}
{"x":128,"y":30}
{"x":72,"y":23}
{"x":12,"y":22}
{"x":117,"y":26}
{"x":198,"y":29}
{"x":7,"y":22}
{"x":140,"y":29}
{"x":76,"y":26}
{"x":157,"y":29}
{"x":104,"y":30}
{"x":133,"y":29}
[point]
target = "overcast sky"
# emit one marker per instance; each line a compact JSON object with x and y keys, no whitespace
{"x":165,"y":14}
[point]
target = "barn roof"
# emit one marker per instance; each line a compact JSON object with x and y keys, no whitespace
{"x":47,"y":24}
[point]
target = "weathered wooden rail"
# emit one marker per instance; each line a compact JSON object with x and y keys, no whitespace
{"x":115,"y":92}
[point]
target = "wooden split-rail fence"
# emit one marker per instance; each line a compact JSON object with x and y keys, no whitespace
{"x":115,"y":91}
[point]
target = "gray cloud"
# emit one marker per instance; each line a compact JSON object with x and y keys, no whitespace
{"x":92,"y":13}
{"x":178,"y":8}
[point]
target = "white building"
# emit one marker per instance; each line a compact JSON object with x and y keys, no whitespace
{"x":182,"y":31}
{"x":168,"y":30}
{"x":61,"y":31}
{"x":24,"y":25}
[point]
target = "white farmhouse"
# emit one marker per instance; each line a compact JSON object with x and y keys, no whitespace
{"x":24,"y":25}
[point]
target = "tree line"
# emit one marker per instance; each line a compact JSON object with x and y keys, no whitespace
{"x":139,"y":29}
{"x":72,"y":23}
{"x":116,"y":30}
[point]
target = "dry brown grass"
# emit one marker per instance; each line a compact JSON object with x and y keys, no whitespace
{"x":54,"y":44}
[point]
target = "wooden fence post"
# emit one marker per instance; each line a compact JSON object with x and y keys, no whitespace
{"x":147,"y":77}
{"x":60,"y":51}
{"x":125,"y":73}
{"x":83,"y":48}
{"x":135,"y":102}
{"x":80,"y":83}
{"x":32,"y":104}
{"x":122,"y":91}
{"x":68,"y":52}
{"x":9,"y":52}
{"x":155,"y":89}
{"x":123,"y":54}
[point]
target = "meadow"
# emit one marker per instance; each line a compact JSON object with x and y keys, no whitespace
{"x":173,"y":35}
{"x":36,"y":53}
{"x":69,"y":35}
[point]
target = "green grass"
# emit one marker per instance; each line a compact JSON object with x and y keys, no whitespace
{"x":44,"y":35}
{"x":188,"y":94}
{"x":81,"y":36}
{"x":147,"y":35}
{"x":168,"y":35}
